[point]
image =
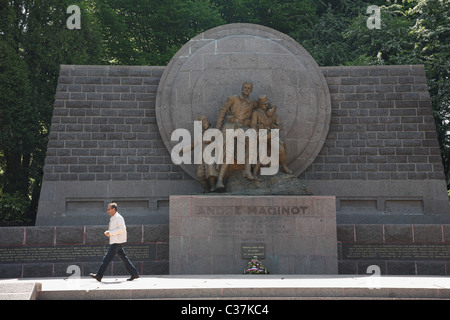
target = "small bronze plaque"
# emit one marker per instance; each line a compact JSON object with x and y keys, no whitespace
{"x":249,"y":250}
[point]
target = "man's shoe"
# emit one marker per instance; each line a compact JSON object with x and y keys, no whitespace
{"x":96,"y":277}
{"x":134,"y":276}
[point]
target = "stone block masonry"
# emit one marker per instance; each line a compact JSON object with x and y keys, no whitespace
{"x":396,"y":249}
{"x":104,"y":126}
{"x":27,"y":252}
{"x":104,"y":145}
{"x":381,"y":157}
{"x":382,"y":126}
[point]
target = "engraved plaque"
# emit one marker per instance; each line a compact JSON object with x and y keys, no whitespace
{"x":249,"y":250}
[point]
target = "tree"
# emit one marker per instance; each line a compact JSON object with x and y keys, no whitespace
{"x":325,"y":41}
{"x":34,"y":42}
{"x":391,"y":44}
{"x":287,"y":16}
{"x":432,"y":46}
{"x":146,"y":32}
{"x":412,"y":32}
{"x":17,"y":126}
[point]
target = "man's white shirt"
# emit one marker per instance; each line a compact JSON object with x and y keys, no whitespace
{"x":117,"y":229}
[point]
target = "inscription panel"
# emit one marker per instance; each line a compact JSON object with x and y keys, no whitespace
{"x":396,"y":251}
{"x":249,"y":250}
{"x":247,"y":227}
{"x":51,"y":254}
{"x":219,"y":234}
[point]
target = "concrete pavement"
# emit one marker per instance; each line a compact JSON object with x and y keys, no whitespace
{"x":230,"y":287}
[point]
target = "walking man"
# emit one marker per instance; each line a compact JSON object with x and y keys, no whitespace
{"x":117,"y":233}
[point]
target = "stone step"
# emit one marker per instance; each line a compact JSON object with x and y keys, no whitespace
{"x":246,"y":294}
{"x":19,"y":290}
{"x":249,"y":287}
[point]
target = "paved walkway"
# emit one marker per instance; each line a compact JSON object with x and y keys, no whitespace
{"x":230,"y":287}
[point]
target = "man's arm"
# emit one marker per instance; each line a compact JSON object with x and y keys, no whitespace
{"x":254,"y":123}
{"x":223,"y":112}
{"x":277,"y":122}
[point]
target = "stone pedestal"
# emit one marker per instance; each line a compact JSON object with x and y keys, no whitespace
{"x":218,"y":234}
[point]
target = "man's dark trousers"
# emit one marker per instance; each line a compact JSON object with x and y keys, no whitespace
{"x":116,"y":248}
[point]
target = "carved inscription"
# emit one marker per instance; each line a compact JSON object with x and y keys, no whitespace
{"x":396,"y":251}
{"x":253,"y":211}
{"x":252,"y":227}
{"x":40,"y":254}
{"x":221,"y":234}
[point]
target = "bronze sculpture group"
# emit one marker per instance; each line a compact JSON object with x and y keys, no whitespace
{"x":240,"y":112}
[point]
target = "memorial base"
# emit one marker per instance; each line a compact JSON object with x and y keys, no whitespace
{"x":219,"y":234}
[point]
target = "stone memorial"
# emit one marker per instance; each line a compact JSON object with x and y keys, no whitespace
{"x":110,"y":136}
{"x":361,"y":137}
{"x":212,"y":234}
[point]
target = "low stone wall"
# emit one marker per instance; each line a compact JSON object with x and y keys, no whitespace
{"x":27,"y":252}
{"x":396,"y":249}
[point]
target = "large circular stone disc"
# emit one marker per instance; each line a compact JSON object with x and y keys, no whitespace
{"x":213,"y":66}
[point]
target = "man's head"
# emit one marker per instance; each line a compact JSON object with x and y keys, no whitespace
{"x":271,"y":110}
{"x":262,"y":102}
{"x":112,"y":208}
{"x":247,"y":88}
{"x":205,"y":122}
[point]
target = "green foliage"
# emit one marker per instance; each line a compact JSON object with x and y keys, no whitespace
{"x":392,"y":44}
{"x":325,"y":40}
{"x":13,"y":210}
{"x":34,"y":42}
{"x":143,"y":32}
{"x":431,"y":33}
{"x":412,"y":32}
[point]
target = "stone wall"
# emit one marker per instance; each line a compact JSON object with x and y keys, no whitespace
{"x":382,"y":126}
{"x":48,"y":251}
{"x":156,"y":238}
{"x":380,"y":159}
{"x":397,"y":249}
{"x":105,"y":145}
{"x":381,"y":156}
{"x":104,"y":126}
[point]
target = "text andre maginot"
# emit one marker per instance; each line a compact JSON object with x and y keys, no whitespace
{"x":252,"y":210}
